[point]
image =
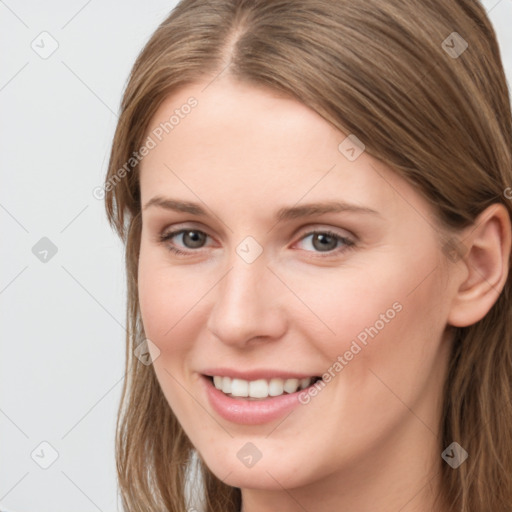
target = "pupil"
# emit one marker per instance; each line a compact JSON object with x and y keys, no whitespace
{"x":324,"y":239}
{"x":196,"y":238}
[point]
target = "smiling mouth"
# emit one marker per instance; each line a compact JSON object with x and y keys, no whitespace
{"x":260,"y":389}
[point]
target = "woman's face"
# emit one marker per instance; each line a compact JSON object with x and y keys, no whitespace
{"x":301,"y":257}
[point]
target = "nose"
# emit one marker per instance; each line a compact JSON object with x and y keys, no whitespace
{"x":246,"y":304}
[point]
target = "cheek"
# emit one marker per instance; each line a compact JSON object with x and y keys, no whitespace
{"x":166,"y":297}
{"x":387,"y":317}
{"x":168,"y":301}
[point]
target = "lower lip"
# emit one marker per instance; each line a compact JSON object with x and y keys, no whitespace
{"x":250,"y":412}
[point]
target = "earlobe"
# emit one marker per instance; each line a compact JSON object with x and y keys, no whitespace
{"x":486,"y":261}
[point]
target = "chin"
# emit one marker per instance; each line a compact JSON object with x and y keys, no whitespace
{"x":272,"y":474}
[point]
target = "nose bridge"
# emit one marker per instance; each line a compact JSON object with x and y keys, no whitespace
{"x":243,"y":285}
{"x":244,"y":303}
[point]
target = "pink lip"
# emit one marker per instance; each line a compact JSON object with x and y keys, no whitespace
{"x":249,"y":412}
{"x":256,"y":374}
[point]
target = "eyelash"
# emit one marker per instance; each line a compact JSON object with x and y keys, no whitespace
{"x":165,"y":237}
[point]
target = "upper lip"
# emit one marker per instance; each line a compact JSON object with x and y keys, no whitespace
{"x":256,"y":374}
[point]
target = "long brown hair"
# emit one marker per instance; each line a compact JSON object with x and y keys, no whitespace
{"x":422,"y":84}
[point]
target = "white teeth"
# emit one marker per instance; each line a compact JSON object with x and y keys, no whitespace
{"x":261,"y":388}
{"x":226,"y":385}
{"x":304,"y":383}
{"x":276,"y":387}
{"x":258,"y":388}
{"x":239,"y":387}
{"x":291,"y":385}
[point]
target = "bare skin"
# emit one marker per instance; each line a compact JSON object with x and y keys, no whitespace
{"x":369,"y":440}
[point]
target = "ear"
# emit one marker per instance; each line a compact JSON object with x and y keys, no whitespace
{"x":485,"y":266}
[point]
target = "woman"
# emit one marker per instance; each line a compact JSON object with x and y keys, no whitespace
{"x":313,"y":196}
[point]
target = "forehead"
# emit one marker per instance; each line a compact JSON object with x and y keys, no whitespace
{"x":253,"y":117}
{"x":247,"y":142}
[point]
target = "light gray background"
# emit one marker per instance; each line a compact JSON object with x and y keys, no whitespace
{"x":62,"y":321}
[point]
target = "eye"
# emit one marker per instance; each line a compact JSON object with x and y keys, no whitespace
{"x":191,"y":238}
{"x":327,"y":241}
{"x":322,"y":241}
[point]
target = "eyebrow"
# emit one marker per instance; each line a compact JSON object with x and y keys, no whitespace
{"x":286,"y":213}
